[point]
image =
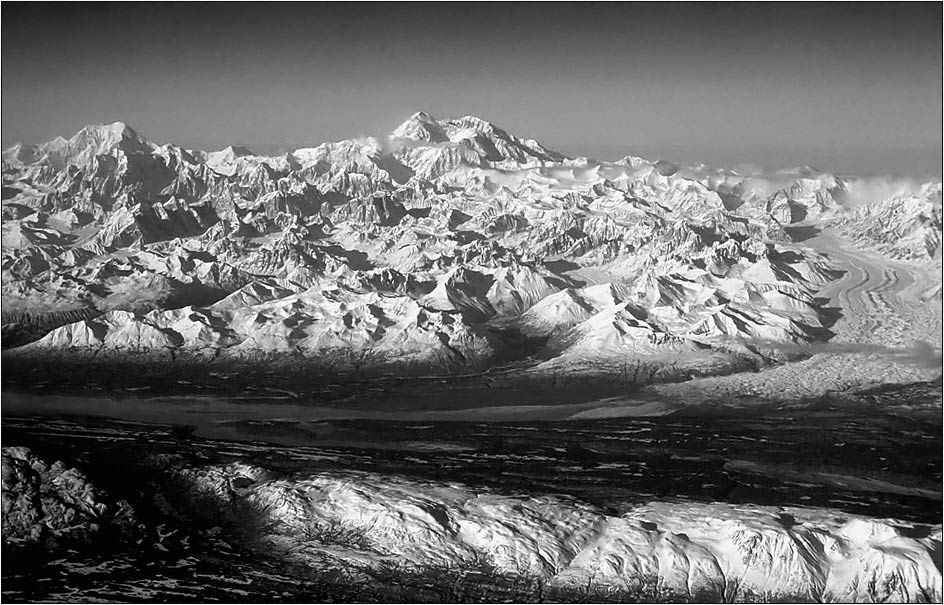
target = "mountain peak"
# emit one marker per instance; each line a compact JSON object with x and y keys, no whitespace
{"x":112,"y":133}
{"x":489,"y":141}
{"x":93,"y":140}
{"x":237,"y":151}
{"x":421,"y":126}
{"x":423,"y":116}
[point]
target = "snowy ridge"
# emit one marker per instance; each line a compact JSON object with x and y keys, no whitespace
{"x":682,"y":548}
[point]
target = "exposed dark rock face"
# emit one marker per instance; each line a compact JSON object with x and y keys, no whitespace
{"x":53,"y":505}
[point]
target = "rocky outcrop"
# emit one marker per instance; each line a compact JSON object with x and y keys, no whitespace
{"x":54,"y":505}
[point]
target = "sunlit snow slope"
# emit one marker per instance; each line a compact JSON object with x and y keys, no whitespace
{"x":362,"y":523}
{"x":449,"y":245}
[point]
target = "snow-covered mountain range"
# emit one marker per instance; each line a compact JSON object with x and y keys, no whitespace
{"x":444,"y":246}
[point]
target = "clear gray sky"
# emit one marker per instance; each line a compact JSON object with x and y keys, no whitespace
{"x":851,"y":87}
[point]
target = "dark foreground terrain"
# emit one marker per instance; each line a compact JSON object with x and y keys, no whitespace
{"x":865,"y":454}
